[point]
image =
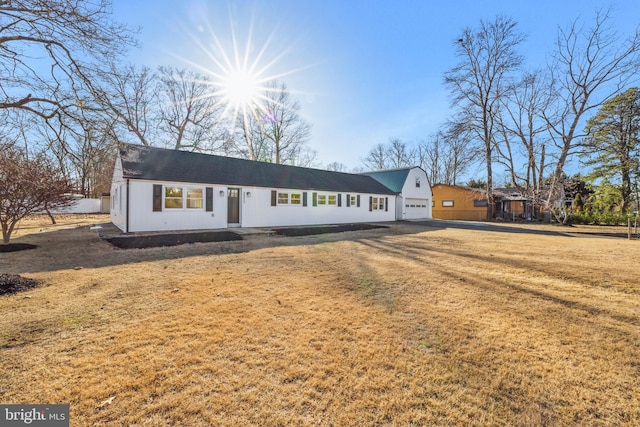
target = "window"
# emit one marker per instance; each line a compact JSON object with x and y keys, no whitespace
{"x":194,"y":198}
{"x":479,"y":203}
{"x":377,"y":204}
{"x":322,"y":199}
{"x":283,"y":198}
{"x":173,"y":197}
{"x":352,"y":201}
{"x":417,"y":182}
{"x":179,"y":198}
{"x":289,"y":198}
{"x":331,"y":200}
{"x":447,"y":203}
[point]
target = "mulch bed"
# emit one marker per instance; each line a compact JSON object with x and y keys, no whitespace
{"x":15,"y":247}
{"x":157,"y":240}
{"x":308,"y":231}
{"x":12,"y":283}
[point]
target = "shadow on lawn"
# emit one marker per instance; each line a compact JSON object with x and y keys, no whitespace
{"x":492,"y":227}
{"x":80,"y":247}
{"x":496,"y":286}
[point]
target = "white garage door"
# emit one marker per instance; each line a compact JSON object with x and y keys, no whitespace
{"x":415,"y":208}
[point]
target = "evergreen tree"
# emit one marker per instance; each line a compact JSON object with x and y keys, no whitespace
{"x":612,"y":145}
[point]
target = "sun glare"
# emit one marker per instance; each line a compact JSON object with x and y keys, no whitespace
{"x":242,"y":73}
{"x":240,"y":89}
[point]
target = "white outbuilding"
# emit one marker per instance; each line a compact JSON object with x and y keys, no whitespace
{"x":413,"y":192}
{"x":157,"y":189}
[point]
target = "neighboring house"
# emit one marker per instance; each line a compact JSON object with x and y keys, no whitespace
{"x":466,"y":203}
{"x":455,"y":202}
{"x":511,"y":204}
{"x":156,"y":189}
{"x":413,"y":193}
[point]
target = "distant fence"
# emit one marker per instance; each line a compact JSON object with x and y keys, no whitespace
{"x":82,"y":205}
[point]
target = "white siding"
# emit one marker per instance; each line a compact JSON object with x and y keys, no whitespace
{"x":256,"y":210}
{"x":413,"y":195}
{"x":118,"y":197}
{"x":143,"y":218}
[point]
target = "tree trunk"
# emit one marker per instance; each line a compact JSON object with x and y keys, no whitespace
{"x":489,"y":183}
{"x":7,"y":230}
{"x":53,"y":220}
{"x":5,"y":235}
{"x":247,"y":137}
{"x":626,"y":190}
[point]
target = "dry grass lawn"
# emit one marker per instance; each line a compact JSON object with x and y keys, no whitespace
{"x":410,"y":325}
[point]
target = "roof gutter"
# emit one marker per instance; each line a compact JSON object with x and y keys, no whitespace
{"x":126,"y":226}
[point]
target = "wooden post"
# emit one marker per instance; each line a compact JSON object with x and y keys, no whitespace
{"x":629,"y":225}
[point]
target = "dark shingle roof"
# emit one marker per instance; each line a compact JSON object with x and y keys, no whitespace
{"x":158,"y":164}
{"x":393,"y":179}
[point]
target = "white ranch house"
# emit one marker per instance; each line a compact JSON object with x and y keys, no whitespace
{"x":157,"y":189}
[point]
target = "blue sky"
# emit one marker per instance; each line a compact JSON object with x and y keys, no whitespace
{"x":363,"y":71}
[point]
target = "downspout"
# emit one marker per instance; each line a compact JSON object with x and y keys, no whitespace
{"x":126,"y":227}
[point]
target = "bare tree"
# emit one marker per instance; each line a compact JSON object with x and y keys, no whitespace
{"x":281,"y":123}
{"x":28,"y":185}
{"x":377,"y":159}
{"x":190,"y":112}
{"x":337,"y":167}
{"x":589,"y":67}
{"x":445,"y":155}
{"x":525,"y":135}
{"x":129,"y":95}
{"x":256,"y":145}
{"x":399,"y":154}
{"x":487,"y":57}
{"x":48,"y":49}
{"x":304,"y":156}
{"x":91,"y":157}
{"x":430,"y":156}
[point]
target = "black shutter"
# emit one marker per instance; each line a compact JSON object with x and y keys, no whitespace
{"x":315,"y":198}
{"x":209,"y":199}
{"x":358,"y":201}
{"x":339,"y":199}
{"x":304,"y":198}
{"x":157,"y":197}
{"x":348,"y":200}
{"x":386,"y":204}
{"x":274,"y":197}
{"x":370,"y":203}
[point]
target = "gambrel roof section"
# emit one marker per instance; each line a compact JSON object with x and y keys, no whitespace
{"x":159,"y":164}
{"x":393,"y":179}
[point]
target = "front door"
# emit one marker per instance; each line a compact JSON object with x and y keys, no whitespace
{"x":233,"y":206}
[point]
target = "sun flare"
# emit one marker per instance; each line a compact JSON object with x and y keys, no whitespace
{"x":242,"y":72}
{"x":240,"y":89}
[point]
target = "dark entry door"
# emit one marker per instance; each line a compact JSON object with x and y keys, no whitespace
{"x":233,"y":206}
